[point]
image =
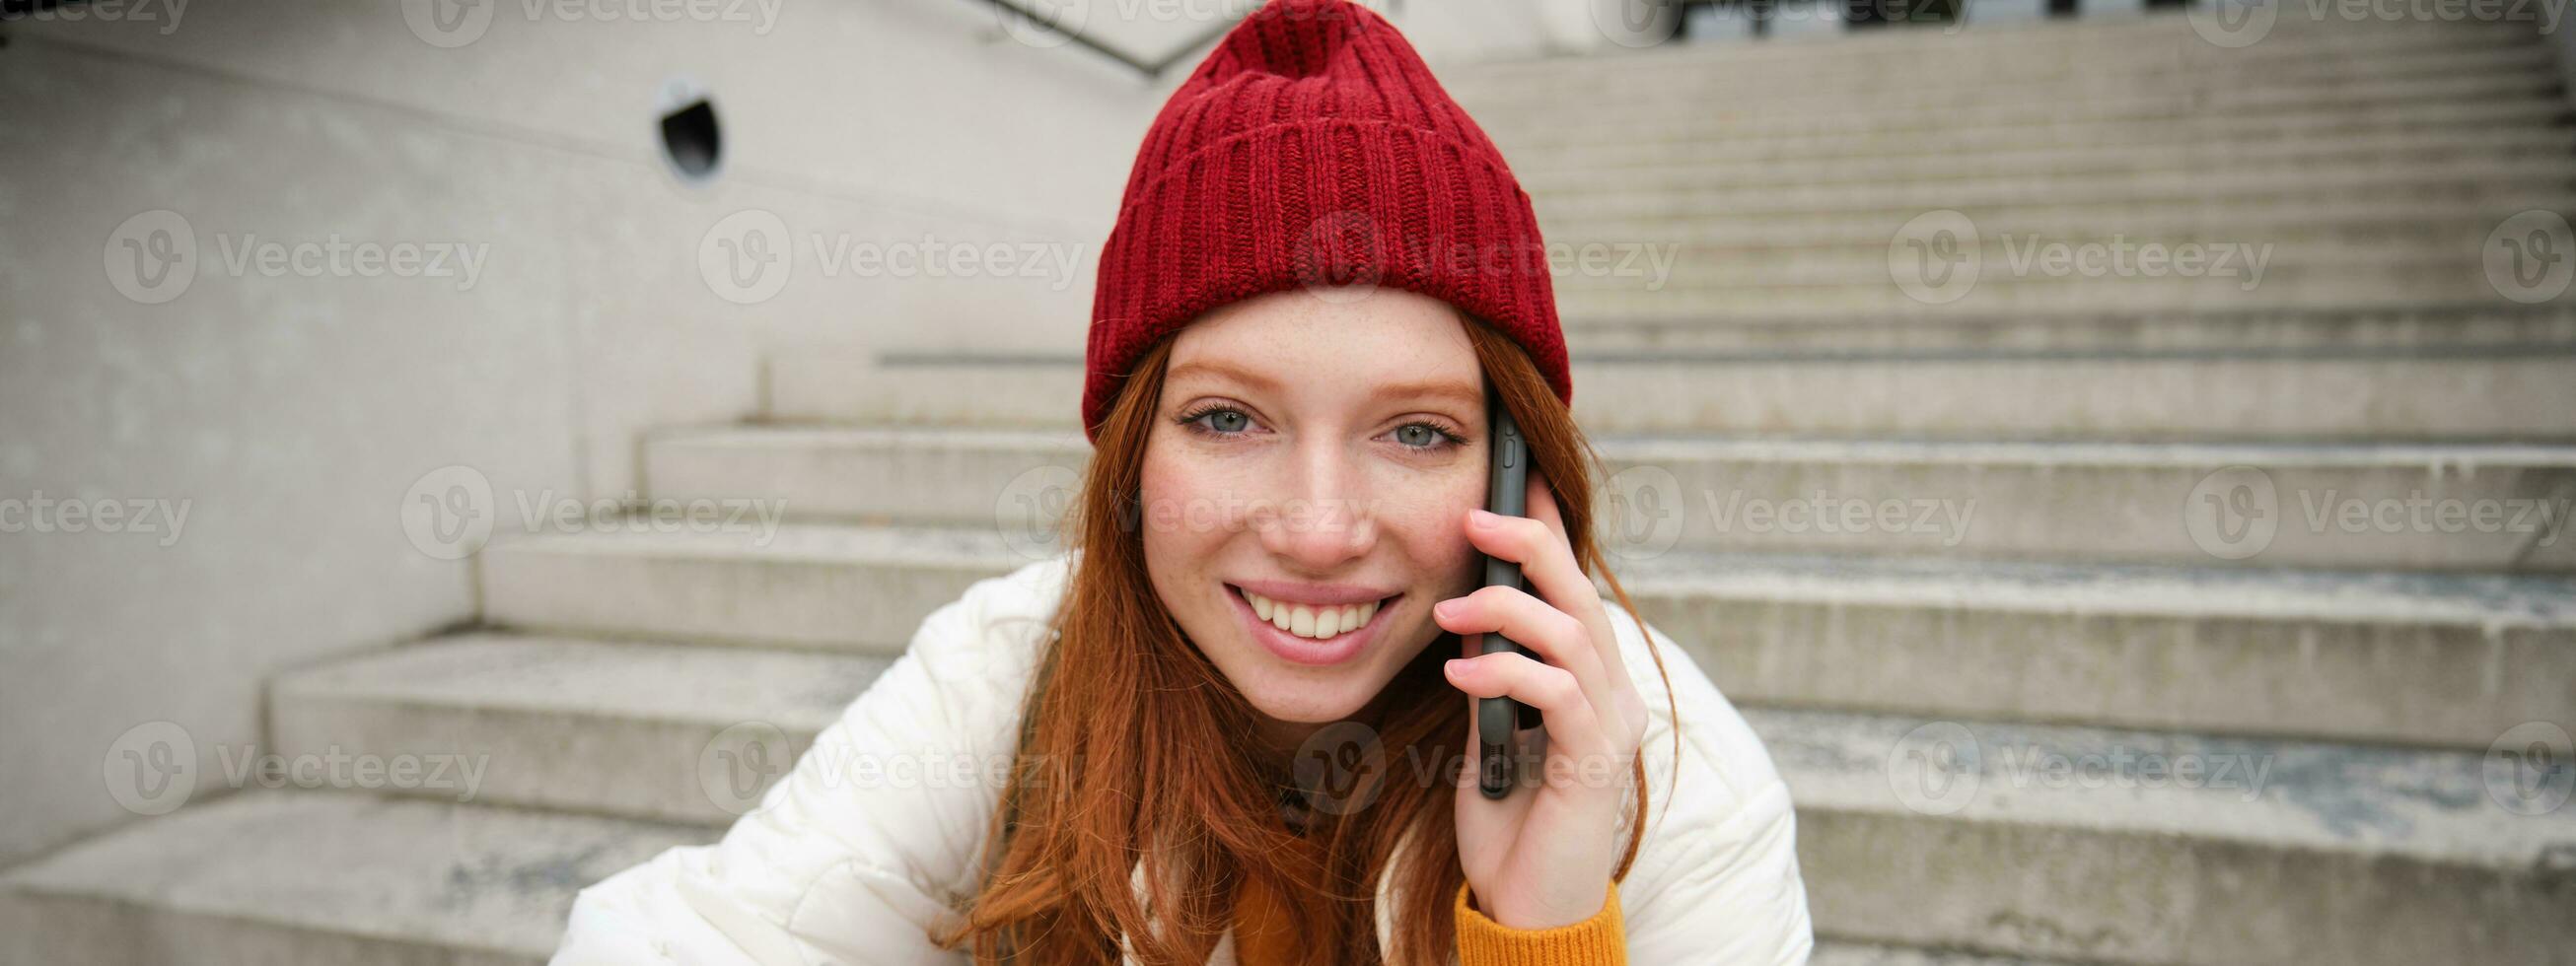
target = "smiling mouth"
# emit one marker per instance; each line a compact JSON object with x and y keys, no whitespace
{"x":1308,"y":621}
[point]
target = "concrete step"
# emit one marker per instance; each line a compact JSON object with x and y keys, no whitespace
{"x":2250,"y":504}
{"x":2431,"y":330}
{"x":2281,"y":289}
{"x":2117,"y":42}
{"x":2482,"y":118}
{"x":851,"y":589}
{"x":2149,"y":45}
{"x":2310,"y":184}
{"x":2409,"y":659}
{"x":2360,"y":100}
{"x":2457,"y":391}
{"x":1682,"y":95}
{"x":2362,"y":154}
{"x":2239,"y":262}
{"x":2247,"y":220}
{"x":308,"y":878}
{"x":2256,"y":215}
{"x":2161,"y":848}
{"x":662,"y":732}
{"x":329,"y":879}
{"x":2425,"y":659}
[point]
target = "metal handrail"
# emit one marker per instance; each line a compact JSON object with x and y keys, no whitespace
{"x":1152,"y":69}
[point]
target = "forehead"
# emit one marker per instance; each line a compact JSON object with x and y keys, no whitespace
{"x":1386,"y":337}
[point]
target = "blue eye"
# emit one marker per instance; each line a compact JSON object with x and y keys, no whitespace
{"x":1199,"y":420}
{"x":1429,"y":438}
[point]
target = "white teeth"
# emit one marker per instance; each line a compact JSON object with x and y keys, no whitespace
{"x":1306,"y":621}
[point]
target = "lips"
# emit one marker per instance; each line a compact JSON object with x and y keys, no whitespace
{"x":1342,"y":646}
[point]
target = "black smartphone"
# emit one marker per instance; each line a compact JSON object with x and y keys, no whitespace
{"x":1506,"y":493}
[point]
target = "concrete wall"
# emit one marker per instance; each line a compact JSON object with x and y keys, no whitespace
{"x":270,"y":420}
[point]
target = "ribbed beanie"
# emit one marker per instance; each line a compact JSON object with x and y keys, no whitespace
{"x":1313,"y":148}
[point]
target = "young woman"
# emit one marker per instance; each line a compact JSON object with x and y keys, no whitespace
{"x":1232,"y":724}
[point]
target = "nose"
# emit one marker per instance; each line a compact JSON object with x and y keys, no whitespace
{"x":1319,"y":518}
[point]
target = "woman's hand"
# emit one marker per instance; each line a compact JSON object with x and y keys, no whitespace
{"x":1542,"y":856}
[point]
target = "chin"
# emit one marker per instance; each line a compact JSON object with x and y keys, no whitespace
{"x":1309,"y":701}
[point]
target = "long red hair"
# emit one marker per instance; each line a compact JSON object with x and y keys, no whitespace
{"x":1131,"y":736}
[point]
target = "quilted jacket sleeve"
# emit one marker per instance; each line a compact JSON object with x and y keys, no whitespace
{"x":1717,"y":879}
{"x":875,"y":834}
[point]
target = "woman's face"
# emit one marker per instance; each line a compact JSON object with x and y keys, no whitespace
{"x":1307,"y":462}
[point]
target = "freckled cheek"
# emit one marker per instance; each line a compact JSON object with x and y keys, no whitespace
{"x":1428,"y":517}
{"x":1185,"y":503}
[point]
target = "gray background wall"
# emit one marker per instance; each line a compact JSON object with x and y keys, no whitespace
{"x":288,"y":416}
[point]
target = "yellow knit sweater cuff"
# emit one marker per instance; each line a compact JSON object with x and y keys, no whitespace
{"x":1598,"y":941}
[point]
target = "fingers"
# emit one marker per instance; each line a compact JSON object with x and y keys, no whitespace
{"x":1559,"y":638}
{"x":1571,"y":721}
{"x":1539,"y":544}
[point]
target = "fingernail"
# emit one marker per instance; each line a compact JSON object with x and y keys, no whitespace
{"x":1480,"y":517}
{"x":1455,"y":666}
{"x":1446,"y":608}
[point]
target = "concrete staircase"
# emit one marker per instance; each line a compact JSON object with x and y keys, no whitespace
{"x":2108,"y":670}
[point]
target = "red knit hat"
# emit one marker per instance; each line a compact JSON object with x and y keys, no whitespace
{"x":1312,"y":147}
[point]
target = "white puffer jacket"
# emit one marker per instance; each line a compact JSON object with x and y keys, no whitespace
{"x":875,"y":836}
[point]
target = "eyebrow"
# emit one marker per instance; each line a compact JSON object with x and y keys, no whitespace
{"x":1441,"y":388}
